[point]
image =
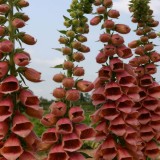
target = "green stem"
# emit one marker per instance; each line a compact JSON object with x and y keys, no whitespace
{"x":11,"y":37}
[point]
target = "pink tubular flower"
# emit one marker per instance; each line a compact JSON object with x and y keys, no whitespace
{"x":108,"y":111}
{"x":124,"y":52}
{"x":113,"y":91}
{"x":123,"y":154}
{"x":144,"y":116}
{"x":155,"y":57}
{"x":76,"y":114}
{"x":71,"y":142}
{"x":68,"y":82}
{"x":22,"y":59}
{"x":27,"y":155}
{"x":21,"y":125}
{"x":2,"y":30}
{"x":84,"y":132}
{"x":132,"y":118}
{"x":108,"y":149}
{"x":6,"y":46}
{"x":101,"y":131}
{"x":118,"y":126}
{"x":105,"y":72}
{"x":84,"y":86}
{"x":72,"y":95}
{"x":32,"y":75}
{"x":146,"y":80}
{"x":152,"y":150}
{"x":6,"y":106}
{"x":12,"y":148}
{"x":105,"y":37}
{"x":58,"y":109}
{"x":3,"y":68}
{"x":9,"y":85}
{"x":3,"y":129}
{"x":98,"y":96}
{"x":18,"y":23}
{"x":64,"y":126}
{"x":116,"y":65}
{"x":27,"y":98}
{"x":78,"y":71}
{"x":154,"y":90}
{"x":58,"y":151}
{"x":109,"y":50}
{"x":50,"y":136}
{"x":150,"y":69}
{"x":124,"y":104}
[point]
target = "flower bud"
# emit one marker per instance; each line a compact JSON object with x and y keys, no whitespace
{"x":97,"y":2}
{"x":70,"y":33}
{"x":133,"y":44}
{"x":3,"y":68}
{"x":4,"y":8}
{"x":155,"y":57}
{"x":139,"y":32}
{"x":116,"y":39}
{"x":81,"y":38}
{"x":109,"y":50}
{"x":68,"y":65}
{"x":23,"y":3}
{"x":105,"y":37}
{"x":78,"y":71}
{"x":154,"y":24}
{"x":66,"y":50}
{"x":122,"y":28}
{"x":148,"y":47}
{"x":96,"y":20}
{"x":32,"y":75}
{"x":144,"y":38}
{"x":78,"y":57}
{"x":113,"y":13}
{"x":84,"y":49}
{"x":139,"y":50}
{"x":63,"y":40}
{"x":2,"y":30}
{"x":59,"y":92}
{"x":58,"y":77}
{"x":72,"y":95}
{"x":28,"y":39}
{"x":152,"y":35}
{"x":107,"y":3}
{"x":25,"y":17}
{"x":80,"y":30}
{"x":84,"y":86}
{"x":101,"y":57}
{"x":18,"y":23}
{"x":101,"y":10}
{"x":109,"y":24}
{"x":68,"y":82}
{"x":76,"y":44}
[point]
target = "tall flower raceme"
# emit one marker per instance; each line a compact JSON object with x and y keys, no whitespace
{"x":116,"y":90}
{"x":67,"y":131}
{"x":17,"y":102}
{"x":145,"y":64}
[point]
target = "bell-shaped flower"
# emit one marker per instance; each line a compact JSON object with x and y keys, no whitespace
{"x":12,"y":148}
{"x":21,"y":125}
{"x":9,"y":85}
{"x":71,"y":142}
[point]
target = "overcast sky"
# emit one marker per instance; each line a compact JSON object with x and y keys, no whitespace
{"x":46,"y":17}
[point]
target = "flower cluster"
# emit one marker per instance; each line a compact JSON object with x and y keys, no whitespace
{"x":67,"y":132}
{"x":17,"y":102}
{"x":145,"y":66}
{"x":116,"y":90}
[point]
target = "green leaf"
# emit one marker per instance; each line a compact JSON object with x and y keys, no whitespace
{"x":69,"y":10}
{"x":57,"y":49}
{"x":85,"y":155}
{"x":62,"y":31}
{"x":66,"y":18}
{"x":58,"y":66}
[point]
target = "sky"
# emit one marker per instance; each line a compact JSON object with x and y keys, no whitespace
{"x":46,"y":18}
